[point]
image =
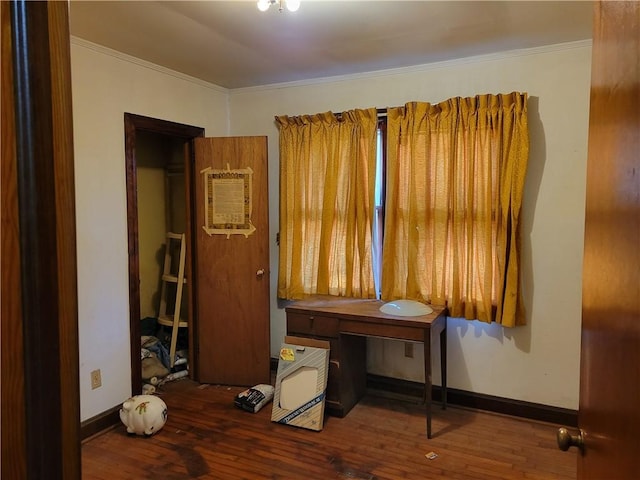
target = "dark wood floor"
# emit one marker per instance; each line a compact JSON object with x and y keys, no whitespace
{"x":206,"y":437}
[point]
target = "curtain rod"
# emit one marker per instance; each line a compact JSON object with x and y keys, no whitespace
{"x":381,"y":112}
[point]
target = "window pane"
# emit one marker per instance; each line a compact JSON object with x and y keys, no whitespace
{"x":377,"y":220}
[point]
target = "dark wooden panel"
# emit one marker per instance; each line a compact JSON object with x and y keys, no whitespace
{"x":13,"y":412}
{"x":66,"y":265}
{"x":99,"y":423}
{"x":132,"y":124}
{"x":314,"y":325}
{"x":43,"y":273}
{"x":408,"y":390}
{"x":353,"y":371}
{"x":232,"y":273}
{"x":610,"y":379}
{"x":377,"y":330}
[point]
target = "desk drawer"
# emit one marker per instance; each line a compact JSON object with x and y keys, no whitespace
{"x":312,"y":325}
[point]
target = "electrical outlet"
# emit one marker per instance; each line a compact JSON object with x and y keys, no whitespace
{"x":408,"y":349}
{"x":96,"y":379}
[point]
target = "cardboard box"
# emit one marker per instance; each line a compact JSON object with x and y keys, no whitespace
{"x":301,"y":383}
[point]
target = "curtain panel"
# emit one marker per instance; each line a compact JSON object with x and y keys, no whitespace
{"x":327,"y":184}
{"x":455,"y":180}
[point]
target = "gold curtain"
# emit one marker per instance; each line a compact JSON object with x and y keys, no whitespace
{"x":327,"y":181}
{"x":455,"y":179}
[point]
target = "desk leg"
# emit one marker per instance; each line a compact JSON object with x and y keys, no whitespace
{"x":443,"y":363}
{"x":427,"y":378}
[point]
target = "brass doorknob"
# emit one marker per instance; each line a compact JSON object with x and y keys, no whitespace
{"x":566,"y":440}
{"x":260,"y":273}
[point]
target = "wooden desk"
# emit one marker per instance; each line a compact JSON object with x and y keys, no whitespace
{"x":345,"y":323}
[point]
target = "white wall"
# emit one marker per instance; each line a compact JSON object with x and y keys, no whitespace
{"x":105,"y":85}
{"x":539,"y":362}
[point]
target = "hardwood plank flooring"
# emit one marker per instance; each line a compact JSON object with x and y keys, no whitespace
{"x":207,"y":437}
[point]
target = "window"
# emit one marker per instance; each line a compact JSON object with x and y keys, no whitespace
{"x":378,"y":219}
{"x":425,"y":205}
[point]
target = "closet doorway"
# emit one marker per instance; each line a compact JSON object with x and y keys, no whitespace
{"x":159,"y":161}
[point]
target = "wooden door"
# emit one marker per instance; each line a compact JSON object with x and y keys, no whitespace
{"x":610,"y":365}
{"x":231,"y":261}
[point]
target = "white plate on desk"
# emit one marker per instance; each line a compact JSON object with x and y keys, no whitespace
{"x":406,"y":308}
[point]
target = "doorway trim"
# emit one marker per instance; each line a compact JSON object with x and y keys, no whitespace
{"x":132,"y":124}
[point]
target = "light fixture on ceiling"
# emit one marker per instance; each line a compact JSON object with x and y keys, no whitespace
{"x":292,"y":5}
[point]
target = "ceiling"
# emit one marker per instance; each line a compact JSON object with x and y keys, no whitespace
{"x":232,"y":44}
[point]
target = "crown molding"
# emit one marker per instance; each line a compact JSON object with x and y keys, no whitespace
{"x":145,"y":64}
{"x":424,"y":67}
{"x":338,"y":78}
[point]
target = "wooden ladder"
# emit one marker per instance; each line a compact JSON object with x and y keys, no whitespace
{"x":169,"y":276}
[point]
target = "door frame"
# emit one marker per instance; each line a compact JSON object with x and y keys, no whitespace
{"x":132,"y":124}
{"x":40,"y":394}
